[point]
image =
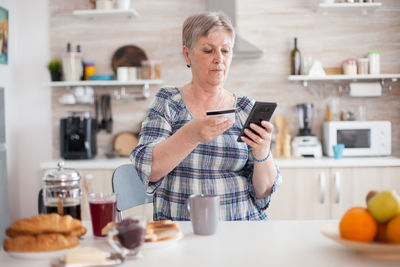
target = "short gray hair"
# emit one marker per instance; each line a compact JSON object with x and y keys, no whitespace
{"x":201,"y":25}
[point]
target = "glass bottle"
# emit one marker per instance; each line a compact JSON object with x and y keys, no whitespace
{"x":295,"y":59}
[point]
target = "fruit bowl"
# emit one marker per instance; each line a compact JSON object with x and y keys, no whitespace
{"x":374,"y":249}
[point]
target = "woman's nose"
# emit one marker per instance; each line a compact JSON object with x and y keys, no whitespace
{"x":218,"y":56}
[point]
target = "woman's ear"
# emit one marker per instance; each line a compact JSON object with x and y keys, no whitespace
{"x":186,"y":52}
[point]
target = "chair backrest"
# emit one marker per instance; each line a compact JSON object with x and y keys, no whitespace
{"x":129,"y":188}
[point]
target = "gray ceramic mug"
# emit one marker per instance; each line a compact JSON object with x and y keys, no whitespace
{"x":204,"y":213}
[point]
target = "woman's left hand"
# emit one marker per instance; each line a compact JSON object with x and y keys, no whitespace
{"x":260,"y":142}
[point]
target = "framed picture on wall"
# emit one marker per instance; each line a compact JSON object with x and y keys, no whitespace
{"x":3,"y":36}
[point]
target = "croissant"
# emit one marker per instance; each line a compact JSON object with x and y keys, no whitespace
{"x":46,"y":223}
{"x":42,"y":242}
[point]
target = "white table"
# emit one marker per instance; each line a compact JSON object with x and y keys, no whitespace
{"x":245,"y":244}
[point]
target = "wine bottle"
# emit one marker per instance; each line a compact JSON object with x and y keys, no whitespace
{"x":79,"y":53}
{"x":295,"y":59}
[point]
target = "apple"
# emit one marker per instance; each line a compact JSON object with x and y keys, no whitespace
{"x":384,"y":206}
{"x":370,"y":195}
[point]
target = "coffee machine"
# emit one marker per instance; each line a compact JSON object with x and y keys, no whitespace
{"x":78,"y":136}
{"x":305,"y":144}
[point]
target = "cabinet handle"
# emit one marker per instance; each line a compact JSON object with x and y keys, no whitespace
{"x":322,"y":185}
{"x":337,"y":187}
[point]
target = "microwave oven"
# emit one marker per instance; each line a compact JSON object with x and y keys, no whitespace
{"x":360,"y":138}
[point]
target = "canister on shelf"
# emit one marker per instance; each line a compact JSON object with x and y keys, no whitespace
{"x":362,"y":65}
{"x":151,"y":69}
{"x":89,"y":69}
{"x":374,"y":62}
{"x":350,"y":66}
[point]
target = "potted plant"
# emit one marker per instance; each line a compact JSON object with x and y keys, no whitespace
{"x":54,"y":67}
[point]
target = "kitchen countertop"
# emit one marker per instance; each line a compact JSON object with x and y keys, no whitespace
{"x":245,"y":243}
{"x":107,"y":164}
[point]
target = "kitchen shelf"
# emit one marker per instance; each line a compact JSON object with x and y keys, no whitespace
{"x":345,"y":7}
{"x":121,"y":95}
{"x":367,"y":77}
{"x":112,"y":83}
{"x":105,"y":13}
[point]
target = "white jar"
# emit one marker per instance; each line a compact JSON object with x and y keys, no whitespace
{"x":132,"y":73}
{"x":123,"y":74}
{"x":374,"y":62}
{"x":124,"y":4}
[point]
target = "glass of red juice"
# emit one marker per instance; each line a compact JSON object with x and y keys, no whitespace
{"x":103,"y":209}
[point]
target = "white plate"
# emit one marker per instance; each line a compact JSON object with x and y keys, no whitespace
{"x":37,"y":255}
{"x":161,"y":244}
{"x":380,"y":250}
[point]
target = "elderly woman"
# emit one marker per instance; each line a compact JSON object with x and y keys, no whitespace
{"x":182,"y":152}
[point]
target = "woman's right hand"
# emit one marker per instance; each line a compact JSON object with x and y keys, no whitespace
{"x":203,"y":129}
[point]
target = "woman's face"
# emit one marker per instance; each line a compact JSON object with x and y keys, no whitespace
{"x":211,"y":58}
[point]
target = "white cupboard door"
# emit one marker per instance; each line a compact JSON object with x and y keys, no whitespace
{"x":350,"y":186}
{"x":304,"y":194}
{"x":390,"y":179}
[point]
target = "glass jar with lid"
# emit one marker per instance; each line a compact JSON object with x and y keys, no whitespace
{"x":62,"y":192}
{"x":362,"y":66}
{"x":350,"y":66}
{"x":151,"y":69}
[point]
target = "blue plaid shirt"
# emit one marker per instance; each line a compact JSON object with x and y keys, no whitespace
{"x":221,"y":167}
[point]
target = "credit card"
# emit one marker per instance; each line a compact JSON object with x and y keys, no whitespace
{"x":227,"y":113}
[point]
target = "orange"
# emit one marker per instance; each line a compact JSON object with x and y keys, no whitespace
{"x":357,"y":224}
{"x":393,"y":230}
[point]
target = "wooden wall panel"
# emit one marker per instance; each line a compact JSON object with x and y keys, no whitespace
{"x":270,"y":25}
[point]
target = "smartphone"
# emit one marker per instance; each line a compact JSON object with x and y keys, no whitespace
{"x":261,"y":111}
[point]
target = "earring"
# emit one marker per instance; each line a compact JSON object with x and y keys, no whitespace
{"x":188,"y":65}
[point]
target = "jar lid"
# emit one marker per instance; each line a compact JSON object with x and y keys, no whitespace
{"x":350,"y":60}
{"x":61,"y":174}
{"x":373,"y":52}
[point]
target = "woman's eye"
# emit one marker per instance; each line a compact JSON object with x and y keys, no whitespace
{"x":226,"y":51}
{"x":207,"y":51}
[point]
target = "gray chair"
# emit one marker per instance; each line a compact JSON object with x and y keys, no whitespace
{"x":129,"y":188}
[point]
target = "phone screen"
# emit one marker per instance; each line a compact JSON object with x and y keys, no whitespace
{"x":261,"y":111}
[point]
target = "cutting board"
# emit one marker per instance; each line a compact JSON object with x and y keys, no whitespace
{"x":124,"y":143}
{"x":127,"y":56}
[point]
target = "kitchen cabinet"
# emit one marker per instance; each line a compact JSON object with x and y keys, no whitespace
{"x":326,"y":193}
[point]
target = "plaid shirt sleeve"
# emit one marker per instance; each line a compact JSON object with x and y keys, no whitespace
{"x":261,"y":203}
{"x":155,"y":128}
